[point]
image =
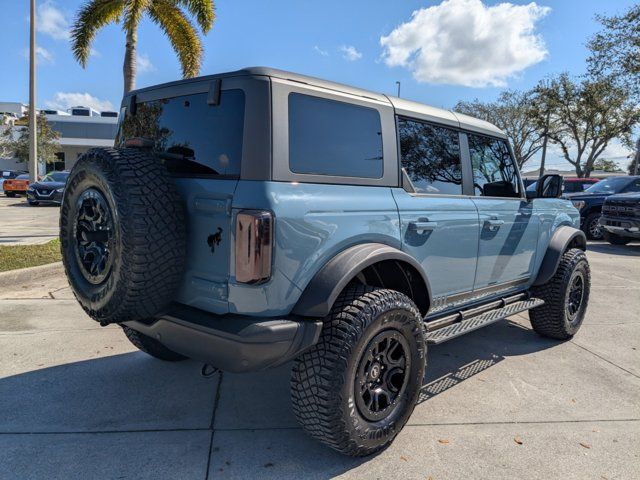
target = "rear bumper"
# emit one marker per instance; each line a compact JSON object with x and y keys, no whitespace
{"x":625,"y":226}
{"x":232,"y":343}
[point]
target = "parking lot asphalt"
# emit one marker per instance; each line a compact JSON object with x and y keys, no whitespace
{"x":79,"y":401}
{"x":21,"y":224}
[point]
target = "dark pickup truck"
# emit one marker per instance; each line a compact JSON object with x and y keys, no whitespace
{"x":589,"y":203}
{"x":620,"y":218}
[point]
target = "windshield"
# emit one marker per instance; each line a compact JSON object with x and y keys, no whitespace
{"x":56,"y":177}
{"x":608,"y":185}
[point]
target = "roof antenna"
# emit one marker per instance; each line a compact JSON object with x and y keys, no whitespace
{"x":398,"y":84}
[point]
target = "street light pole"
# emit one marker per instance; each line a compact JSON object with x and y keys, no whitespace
{"x":636,"y":160}
{"x":398,"y":84}
{"x":33,"y":140}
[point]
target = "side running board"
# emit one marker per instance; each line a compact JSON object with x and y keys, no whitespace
{"x":452,"y":326}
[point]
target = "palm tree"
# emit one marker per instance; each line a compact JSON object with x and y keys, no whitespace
{"x":169,"y":15}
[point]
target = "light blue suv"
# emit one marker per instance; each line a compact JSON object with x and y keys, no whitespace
{"x":257,"y":217}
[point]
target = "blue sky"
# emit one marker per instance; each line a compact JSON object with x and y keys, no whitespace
{"x":371,"y":44}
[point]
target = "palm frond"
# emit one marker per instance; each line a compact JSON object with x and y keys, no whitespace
{"x":204,"y":12}
{"x":92,"y":17}
{"x":133,"y":12}
{"x":181,"y":32}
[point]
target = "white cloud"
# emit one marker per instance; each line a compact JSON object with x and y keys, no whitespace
{"x":464,"y":42}
{"x":350,"y":53}
{"x":320,"y":51}
{"x":65,"y":100}
{"x":144,"y":63}
{"x":43,"y":55}
{"x":52,"y":22}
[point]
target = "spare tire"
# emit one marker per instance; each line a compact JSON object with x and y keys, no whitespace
{"x":122,"y":234}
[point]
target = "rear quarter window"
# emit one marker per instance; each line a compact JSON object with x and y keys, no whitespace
{"x":189,"y":135}
{"x":329,"y":137}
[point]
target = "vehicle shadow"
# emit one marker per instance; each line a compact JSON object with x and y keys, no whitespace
{"x":132,"y":392}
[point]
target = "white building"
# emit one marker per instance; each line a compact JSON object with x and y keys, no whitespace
{"x":80,"y":128}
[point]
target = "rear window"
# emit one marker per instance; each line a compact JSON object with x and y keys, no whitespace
{"x":191,"y":136}
{"x":327,"y":137}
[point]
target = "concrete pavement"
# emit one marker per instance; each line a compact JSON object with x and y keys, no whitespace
{"x":21,"y":224}
{"x":78,"y":401}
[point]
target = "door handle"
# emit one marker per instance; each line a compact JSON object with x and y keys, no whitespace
{"x":493,"y":224}
{"x":422,"y":226}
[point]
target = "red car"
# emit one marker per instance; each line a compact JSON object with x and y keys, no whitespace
{"x":15,"y":186}
{"x":575,"y":184}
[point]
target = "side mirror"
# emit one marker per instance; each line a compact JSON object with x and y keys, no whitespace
{"x":549,"y":186}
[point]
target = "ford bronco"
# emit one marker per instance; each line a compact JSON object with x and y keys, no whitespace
{"x":258,"y":217}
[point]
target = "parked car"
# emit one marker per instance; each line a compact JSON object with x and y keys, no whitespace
{"x":576,"y":185}
{"x":48,"y":190}
{"x":16,"y":186}
{"x":620,"y":218}
{"x":7,"y":175}
{"x":336,"y":227}
{"x":569,"y":185}
{"x":590,"y":202}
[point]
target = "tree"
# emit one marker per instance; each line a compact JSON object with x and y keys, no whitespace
{"x":606,"y":165}
{"x":634,"y":164}
{"x":585,"y":116}
{"x":169,"y":15}
{"x":512,"y":112}
{"x":615,"y":51}
{"x":18,"y":145}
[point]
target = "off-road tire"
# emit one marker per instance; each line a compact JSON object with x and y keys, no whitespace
{"x":552,"y":319}
{"x":589,"y":230}
{"x":147,"y":241}
{"x":151,"y":346}
{"x":323,"y":378}
{"x":614,"y":239}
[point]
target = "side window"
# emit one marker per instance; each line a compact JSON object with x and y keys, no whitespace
{"x":431,"y":157}
{"x":327,"y":137}
{"x":494,"y":172}
{"x":633,"y":186}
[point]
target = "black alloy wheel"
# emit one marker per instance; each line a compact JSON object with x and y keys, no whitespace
{"x":382,"y":374}
{"x":93,"y":229}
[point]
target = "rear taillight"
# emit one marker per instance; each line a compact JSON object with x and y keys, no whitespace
{"x":254,"y":244}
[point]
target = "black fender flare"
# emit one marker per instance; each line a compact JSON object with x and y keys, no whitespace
{"x":561,"y":239}
{"x":318,"y":297}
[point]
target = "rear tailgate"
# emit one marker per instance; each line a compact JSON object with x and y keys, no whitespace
{"x":207,"y":263}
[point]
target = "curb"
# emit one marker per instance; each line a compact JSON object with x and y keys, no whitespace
{"x":20,"y":276}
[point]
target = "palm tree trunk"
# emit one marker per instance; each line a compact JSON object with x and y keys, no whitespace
{"x":129,"y":67}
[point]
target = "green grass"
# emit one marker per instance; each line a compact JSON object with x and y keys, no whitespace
{"x":22,"y":256}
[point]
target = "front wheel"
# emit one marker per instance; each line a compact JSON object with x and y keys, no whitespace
{"x":10,"y":194}
{"x":614,"y":239}
{"x":33,"y":203}
{"x":356,"y":388}
{"x":565,"y":296}
{"x":592,"y":228}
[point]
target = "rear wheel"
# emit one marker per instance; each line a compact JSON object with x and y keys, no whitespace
{"x":356,"y":388}
{"x":566,"y":297}
{"x":614,"y":239}
{"x":151,"y":346}
{"x":10,"y":194}
{"x":592,"y":229}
